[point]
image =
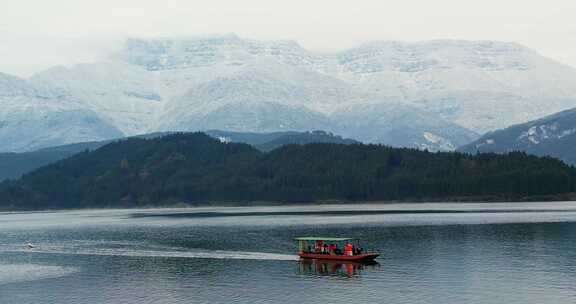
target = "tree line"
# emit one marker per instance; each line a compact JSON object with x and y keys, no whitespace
{"x":194,"y":168}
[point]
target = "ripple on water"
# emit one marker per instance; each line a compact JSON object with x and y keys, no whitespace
{"x":12,"y":273}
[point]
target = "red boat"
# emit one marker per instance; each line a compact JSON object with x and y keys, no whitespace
{"x":331,"y":248}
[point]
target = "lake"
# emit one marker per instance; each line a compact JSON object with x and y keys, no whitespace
{"x":431,"y":253}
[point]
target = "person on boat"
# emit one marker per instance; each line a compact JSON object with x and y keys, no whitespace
{"x":348,"y":249}
{"x":331,"y":249}
{"x":319,"y":246}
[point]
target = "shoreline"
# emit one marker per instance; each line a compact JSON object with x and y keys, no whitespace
{"x":337,"y":207}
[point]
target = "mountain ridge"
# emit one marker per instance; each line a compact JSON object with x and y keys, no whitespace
{"x":553,"y":135}
{"x":194,"y":84}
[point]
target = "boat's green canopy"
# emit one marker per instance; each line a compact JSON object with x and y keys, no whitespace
{"x":321,"y":238}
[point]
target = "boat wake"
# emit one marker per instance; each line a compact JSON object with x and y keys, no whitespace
{"x":193,"y":253}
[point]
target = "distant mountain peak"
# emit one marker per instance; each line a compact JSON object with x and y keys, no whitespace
{"x":176,"y":53}
{"x":554,"y":135}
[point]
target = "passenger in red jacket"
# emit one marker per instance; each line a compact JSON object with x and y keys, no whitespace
{"x":349,"y":249}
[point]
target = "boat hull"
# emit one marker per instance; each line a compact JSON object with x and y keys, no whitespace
{"x":359,"y":257}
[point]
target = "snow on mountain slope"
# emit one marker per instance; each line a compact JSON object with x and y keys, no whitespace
{"x":182,"y":84}
{"x":554,"y":135}
{"x":400,"y":125}
{"x":12,"y":86}
{"x":261,"y":81}
{"x":33,"y":118}
{"x":174,"y":54}
{"x":441,"y":65}
{"x":481,"y":85}
{"x":462,"y":81}
{"x":244,"y":116}
{"x":124,"y":95}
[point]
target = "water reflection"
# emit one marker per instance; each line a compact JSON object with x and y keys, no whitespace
{"x":335,"y":268}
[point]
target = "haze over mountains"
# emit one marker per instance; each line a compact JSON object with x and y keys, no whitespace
{"x":436,"y":95}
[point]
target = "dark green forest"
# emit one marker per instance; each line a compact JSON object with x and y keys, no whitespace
{"x":194,"y":168}
{"x":14,"y":165}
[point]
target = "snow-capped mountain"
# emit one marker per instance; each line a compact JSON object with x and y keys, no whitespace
{"x":32,"y":118}
{"x":480,"y":85}
{"x":462,"y":81}
{"x":123,"y":95}
{"x":554,"y":135}
{"x":433,"y":94}
{"x":262,"y":81}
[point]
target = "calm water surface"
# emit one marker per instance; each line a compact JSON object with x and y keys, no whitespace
{"x":432,"y":253}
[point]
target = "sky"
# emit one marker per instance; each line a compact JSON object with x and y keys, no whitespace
{"x":38,"y":34}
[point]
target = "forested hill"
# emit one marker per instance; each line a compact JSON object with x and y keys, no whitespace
{"x":14,"y":165}
{"x":195,"y":168}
